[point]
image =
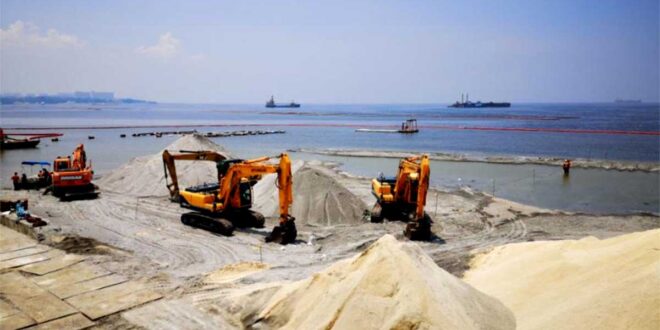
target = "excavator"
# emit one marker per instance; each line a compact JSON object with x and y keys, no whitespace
{"x":72,"y":176}
{"x":220,"y":206}
{"x":404,"y":197}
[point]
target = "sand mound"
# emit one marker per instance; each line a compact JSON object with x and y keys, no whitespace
{"x":233,"y":272}
{"x":318,"y":199}
{"x":391,"y":285}
{"x":144,"y":176}
{"x":575,"y":284}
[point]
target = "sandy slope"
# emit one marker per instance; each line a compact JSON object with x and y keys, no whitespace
{"x":391,"y":285}
{"x":576,"y":284}
{"x":144,"y":176}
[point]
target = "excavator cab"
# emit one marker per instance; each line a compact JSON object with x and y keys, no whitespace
{"x":62,"y":164}
{"x":403,"y":197}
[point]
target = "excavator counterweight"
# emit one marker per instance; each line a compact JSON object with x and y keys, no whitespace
{"x":403,"y":197}
{"x":223,"y":205}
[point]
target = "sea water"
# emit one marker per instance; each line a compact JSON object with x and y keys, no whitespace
{"x":333,"y":127}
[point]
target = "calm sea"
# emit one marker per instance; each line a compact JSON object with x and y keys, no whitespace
{"x":333,"y":126}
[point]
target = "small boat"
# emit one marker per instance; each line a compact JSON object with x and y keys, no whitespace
{"x":122,"y":135}
{"x":8,"y":143}
{"x":91,"y":137}
{"x":54,"y":140}
{"x":409,"y":126}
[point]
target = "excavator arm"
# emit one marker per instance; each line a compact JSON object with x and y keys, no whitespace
{"x":79,"y":161}
{"x":423,"y":186}
{"x":169,"y":166}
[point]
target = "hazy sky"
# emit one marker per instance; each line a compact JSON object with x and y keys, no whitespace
{"x":334,"y":51}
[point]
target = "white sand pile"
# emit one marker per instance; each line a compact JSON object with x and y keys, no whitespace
{"x":391,"y":285}
{"x":144,"y":176}
{"x":318,"y":199}
{"x":576,"y":284}
{"x":233,"y":272}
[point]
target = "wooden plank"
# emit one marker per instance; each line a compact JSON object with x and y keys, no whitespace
{"x":79,"y":272}
{"x":23,"y":252}
{"x":9,"y":246}
{"x":22,"y":261}
{"x":7,"y":309}
{"x":42,"y":308}
{"x":11,"y":240}
{"x":68,"y":290}
{"x":52,"y":264}
{"x":72,"y":322}
{"x":99,"y":303}
{"x":15,"y":284}
{"x":16,"y":321}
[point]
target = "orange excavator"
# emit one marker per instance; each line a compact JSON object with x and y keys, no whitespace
{"x":403,"y":197}
{"x":72,"y":176}
{"x":221,"y":206}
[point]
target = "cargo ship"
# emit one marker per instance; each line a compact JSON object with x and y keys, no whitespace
{"x":469,"y":104}
{"x":271,"y":104}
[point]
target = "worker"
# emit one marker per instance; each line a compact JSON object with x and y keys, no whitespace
{"x":47,"y":177}
{"x":16,"y":180}
{"x":24,"y":182}
{"x":41,"y":177}
{"x":567,"y":167}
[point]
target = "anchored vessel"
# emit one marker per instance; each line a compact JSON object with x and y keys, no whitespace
{"x":271,"y":104}
{"x":468,"y":104}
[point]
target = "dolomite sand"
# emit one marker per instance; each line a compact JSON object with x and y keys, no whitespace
{"x":319,"y":199}
{"x":576,"y":284}
{"x":390,"y":285}
{"x":135,"y":229}
{"x":144,"y":176}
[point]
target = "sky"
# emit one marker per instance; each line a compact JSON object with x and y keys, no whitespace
{"x":334,"y":51}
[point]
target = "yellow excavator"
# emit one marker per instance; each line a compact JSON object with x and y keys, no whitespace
{"x":221,"y":205}
{"x":403,"y":197}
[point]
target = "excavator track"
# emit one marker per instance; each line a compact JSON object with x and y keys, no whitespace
{"x":216,"y":225}
{"x":247,"y":219}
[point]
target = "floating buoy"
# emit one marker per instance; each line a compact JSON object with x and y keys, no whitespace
{"x":54,"y":139}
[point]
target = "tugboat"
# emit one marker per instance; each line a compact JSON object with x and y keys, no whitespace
{"x":271,"y":104}
{"x":478,"y":104}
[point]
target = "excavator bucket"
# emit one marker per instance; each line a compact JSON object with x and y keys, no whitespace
{"x":419,"y":230}
{"x":284,"y":233}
